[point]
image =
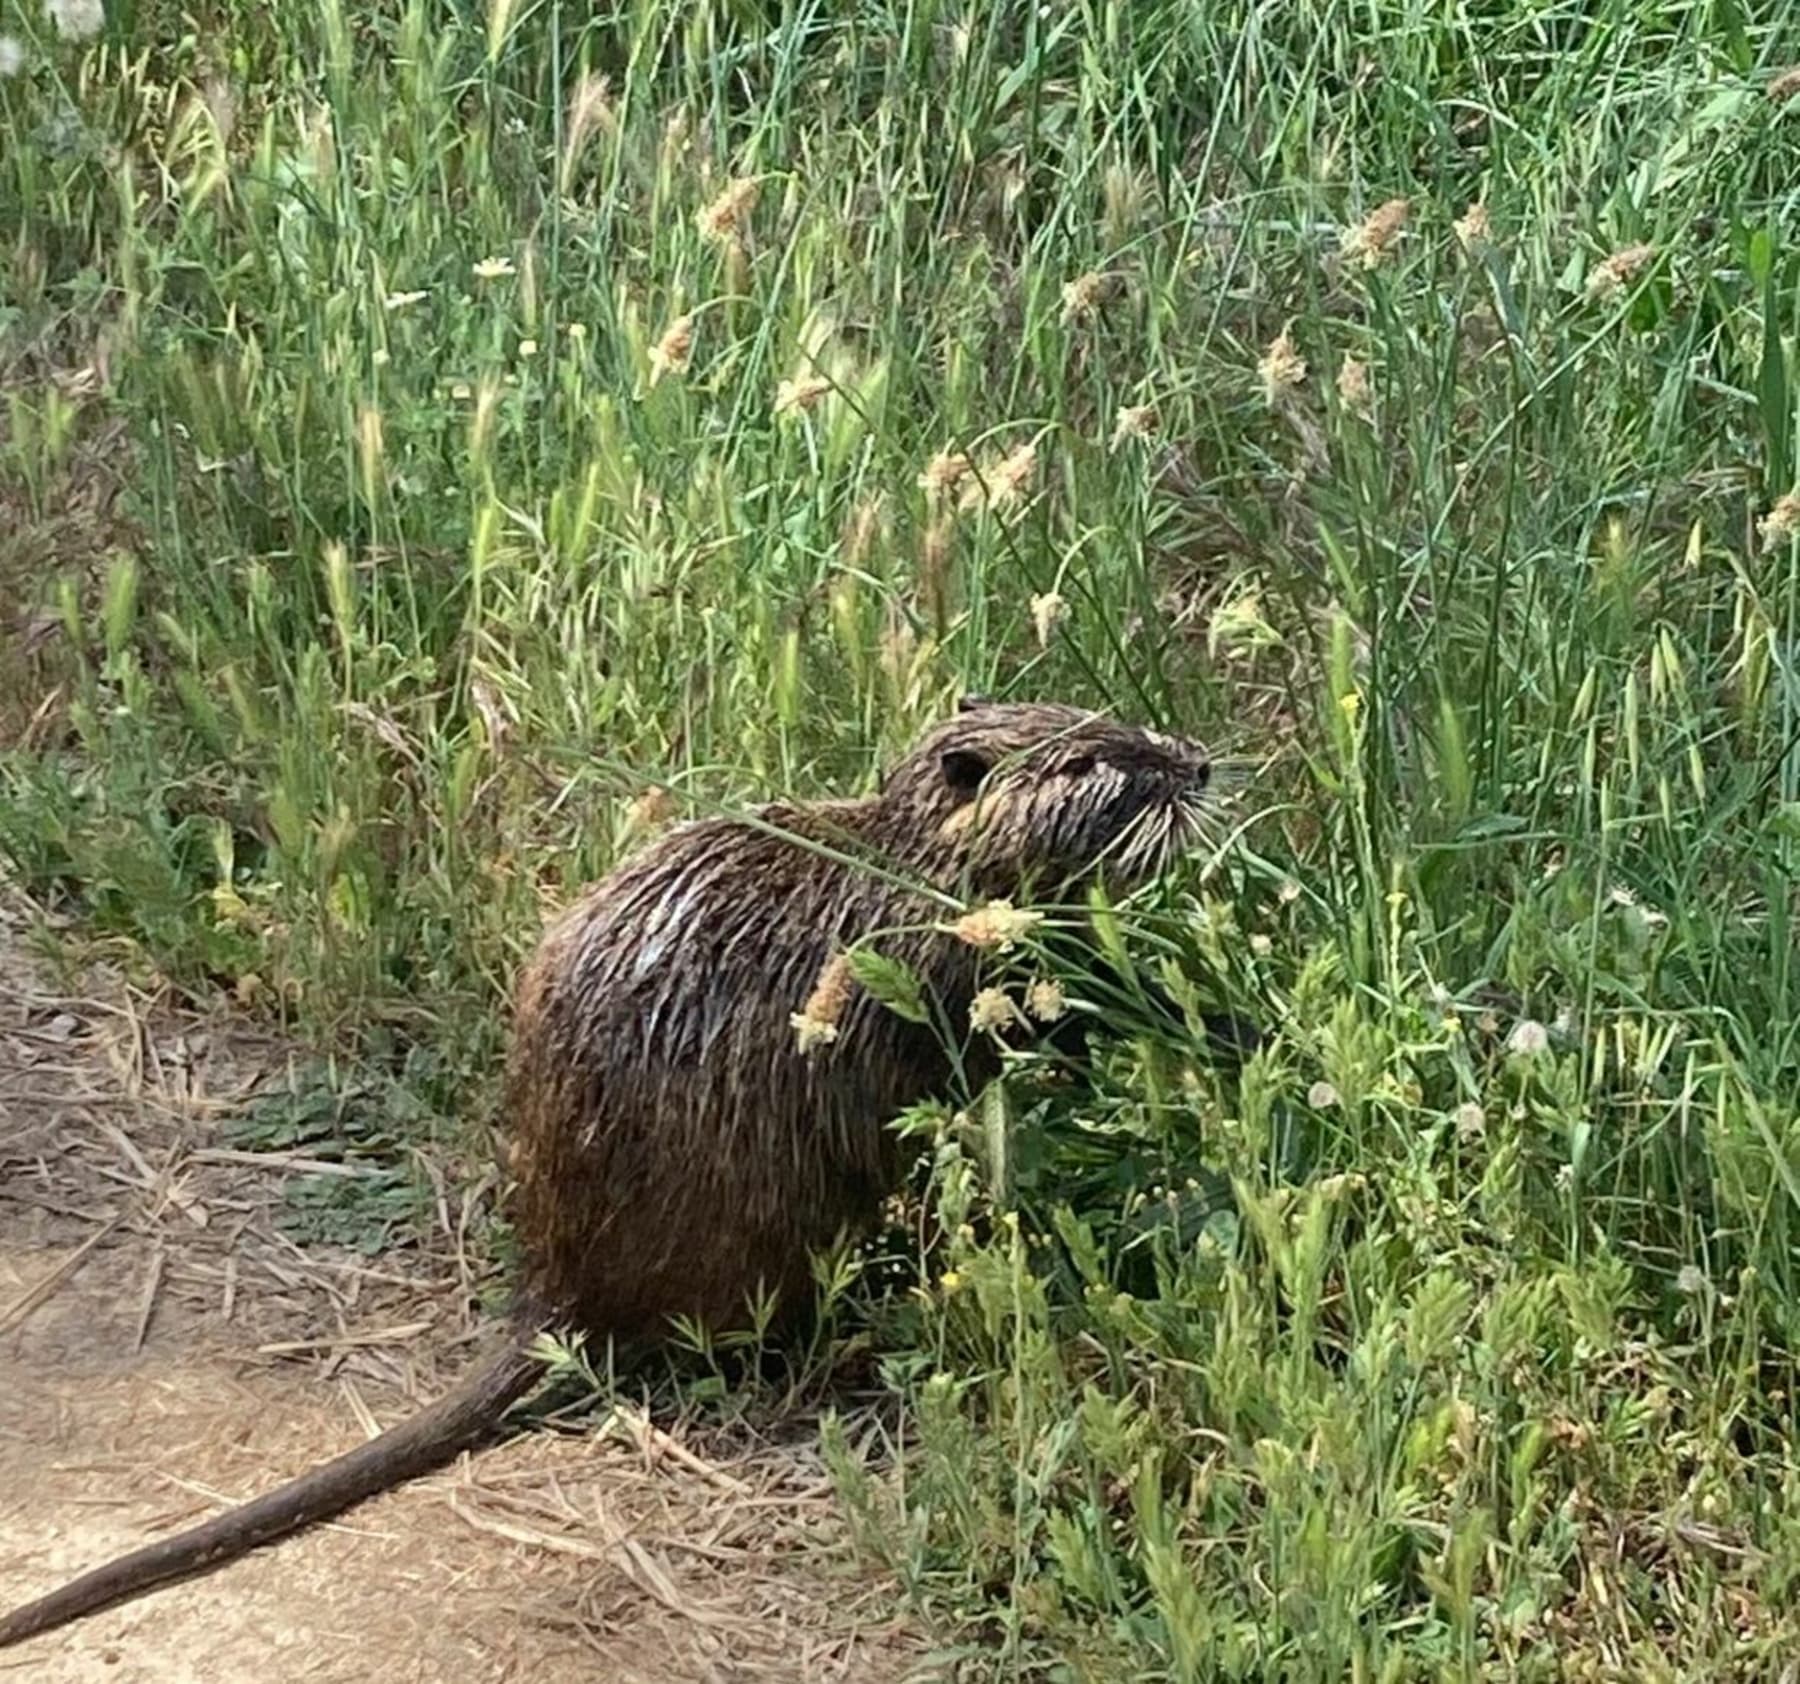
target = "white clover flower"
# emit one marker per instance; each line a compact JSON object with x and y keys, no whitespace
{"x":1528,"y":1039}
{"x":76,"y":20}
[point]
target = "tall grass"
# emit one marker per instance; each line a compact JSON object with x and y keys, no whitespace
{"x":514,"y":411}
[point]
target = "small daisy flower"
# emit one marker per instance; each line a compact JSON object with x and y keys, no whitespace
{"x":493,"y":268}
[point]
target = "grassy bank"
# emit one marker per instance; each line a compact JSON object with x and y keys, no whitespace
{"x":437,"y":441}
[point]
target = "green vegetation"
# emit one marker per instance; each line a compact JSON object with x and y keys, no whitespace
{"x":417,"y":445}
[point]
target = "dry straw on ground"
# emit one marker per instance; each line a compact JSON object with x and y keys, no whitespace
{"x":169,"y":1349}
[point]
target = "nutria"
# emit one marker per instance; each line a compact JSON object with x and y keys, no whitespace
{"x":675,"y":1149}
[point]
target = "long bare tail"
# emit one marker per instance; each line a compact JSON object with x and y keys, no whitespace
{"x":427,"y":1440}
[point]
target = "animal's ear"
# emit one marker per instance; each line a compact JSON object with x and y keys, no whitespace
{"x":974,"y":699}
{"x":963,"y":769}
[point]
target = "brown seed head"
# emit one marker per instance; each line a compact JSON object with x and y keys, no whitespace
{"x":1617,"y":270}
{"x":997,"y":926}
{"x":1082,"y":296}
{"x":1134,"y":421}
{"x":1048,"y":611}
{"x":671,"y":353}
{"x":722,"y":220}
{"x":816,"y":1023}
{"x":943,"y":473}
{"x":1370,"y":242}
{"x":1282,"y":368}
{"x":1782,"y":522}
{"x":1472,"y":227}
{"x":802,"y":393}
{"x":1353,"y":385}
{"x":1785,"y":85}
{"x":1002,"y":483}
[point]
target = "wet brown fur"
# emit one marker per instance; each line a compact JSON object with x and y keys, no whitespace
{"x":675,"y":1153}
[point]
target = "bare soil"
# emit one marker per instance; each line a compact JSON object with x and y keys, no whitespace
{"x":165,"y":1350}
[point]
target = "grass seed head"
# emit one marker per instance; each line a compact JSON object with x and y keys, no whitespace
{"x":722,"y":220}
{"x":1047,"y":613}
{"x":991,"y":1009}
{"x":671,"y":353}
{"x":816,"y":1023}
{"x":1082,"y":296}
{"x":995,"y":927}
{"x":859,"y":532}
{"x":1782,"y":521}
{"x":1353,"y":385}
{"x":1134,"y":421}
{"x":1002,"y":483}
{"x":1472,"y":226}
{"x":1372,"y":241}
{"x":943,"y":473}
{"x":590,"y":110}
{"x":1044,"y":1000}
{"x":800,"y":394}
{"x":1283,"y":369}
{"x":649,"y":811}
{"x":1617,"y":270}
{"x":1783,"y":86}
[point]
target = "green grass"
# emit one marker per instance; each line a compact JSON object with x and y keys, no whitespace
{"x":1414,"y":1354}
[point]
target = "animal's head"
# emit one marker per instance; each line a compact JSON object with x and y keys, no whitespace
{"x":1056,"y":794}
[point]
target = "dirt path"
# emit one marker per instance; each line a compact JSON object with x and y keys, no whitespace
{"x":164,"y":1349}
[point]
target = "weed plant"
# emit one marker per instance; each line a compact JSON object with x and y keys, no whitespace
{"x":440,"y":443}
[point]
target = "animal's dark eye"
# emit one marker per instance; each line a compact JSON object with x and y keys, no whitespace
{"x":963,"y":769}
{"x":1080,"y":766}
